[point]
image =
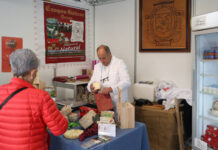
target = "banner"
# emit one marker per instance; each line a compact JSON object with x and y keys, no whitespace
{"x":64,"y":33}
{"x":9,"y":44}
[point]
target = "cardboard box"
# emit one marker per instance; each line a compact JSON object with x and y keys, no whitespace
{"x":161,"y":126}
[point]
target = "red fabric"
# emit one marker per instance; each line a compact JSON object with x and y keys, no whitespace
{"x":60,"y":79}
{"x":82,"y":77}
{"x":103,"y":102}
{"x":24,"y":118}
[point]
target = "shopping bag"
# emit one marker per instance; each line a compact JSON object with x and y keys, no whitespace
{"x":125,"y":113}
{"x":103,"y":102}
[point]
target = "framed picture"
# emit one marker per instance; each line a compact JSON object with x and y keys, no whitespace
{"x":164,"y":26}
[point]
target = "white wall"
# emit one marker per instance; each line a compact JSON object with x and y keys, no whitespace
{"x":16,"y":21}
{"x":176,"y":67}
{"x":165,"y":66}
{"x":115,"y":27}
{"x":204,"y":6}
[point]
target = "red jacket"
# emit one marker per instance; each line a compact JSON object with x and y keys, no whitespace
{"x":23,"y":119}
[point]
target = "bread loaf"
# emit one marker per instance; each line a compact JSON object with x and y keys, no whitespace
{"x":73,"y":133}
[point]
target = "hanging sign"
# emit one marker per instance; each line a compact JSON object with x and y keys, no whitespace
{"x":64,"y":33}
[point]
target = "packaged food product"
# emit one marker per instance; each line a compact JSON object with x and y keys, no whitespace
{"x":107,"y":114}
{"x":73,"y":116}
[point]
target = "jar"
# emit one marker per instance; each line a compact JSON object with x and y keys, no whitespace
{"x":51,"y":91}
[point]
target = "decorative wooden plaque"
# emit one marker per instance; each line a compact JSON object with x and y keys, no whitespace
{"x":164,"y":26}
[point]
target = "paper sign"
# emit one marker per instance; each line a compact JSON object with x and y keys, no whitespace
{"x":107,"y":129}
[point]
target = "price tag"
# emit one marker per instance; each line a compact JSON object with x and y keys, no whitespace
{"x":200,"y":144}
{"x":107,"y":129}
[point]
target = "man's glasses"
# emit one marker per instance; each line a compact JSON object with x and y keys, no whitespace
{"x":104,"y":79}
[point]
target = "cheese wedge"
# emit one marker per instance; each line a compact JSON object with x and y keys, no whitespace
{"x":97,"y":85}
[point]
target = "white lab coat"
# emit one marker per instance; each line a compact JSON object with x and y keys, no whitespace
{"x":118,"y":75}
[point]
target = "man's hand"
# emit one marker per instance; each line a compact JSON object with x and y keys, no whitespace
{"x":107,"y":90}
{"x":93,"y":89}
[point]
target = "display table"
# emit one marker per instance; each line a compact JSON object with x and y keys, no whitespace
{"x":126,"y":139}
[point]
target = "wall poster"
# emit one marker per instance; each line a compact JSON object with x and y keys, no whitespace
{"x":64,"y":33}
{"x":164,"y":26}
{"x":9,"y":44}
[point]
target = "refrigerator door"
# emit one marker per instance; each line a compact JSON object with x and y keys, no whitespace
{"x":205,"y":90}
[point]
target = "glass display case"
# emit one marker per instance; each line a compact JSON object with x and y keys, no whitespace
{"x":205,"y":88}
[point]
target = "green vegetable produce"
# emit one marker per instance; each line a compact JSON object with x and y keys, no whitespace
{"x":73,"y":125}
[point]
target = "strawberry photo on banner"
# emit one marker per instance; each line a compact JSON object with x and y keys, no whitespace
{"x":64,"y":33}
{"x":9,"y":44}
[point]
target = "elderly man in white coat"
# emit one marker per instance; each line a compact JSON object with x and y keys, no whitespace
{"x":111,"y":72}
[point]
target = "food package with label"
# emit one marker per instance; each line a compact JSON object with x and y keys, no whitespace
{"x":87,"y":120}
{"x":107,"y":114}
{"x":106,"y":120}
{"x":73,"y":116}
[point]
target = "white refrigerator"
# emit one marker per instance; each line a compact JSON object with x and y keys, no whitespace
{"x":205,"y":81}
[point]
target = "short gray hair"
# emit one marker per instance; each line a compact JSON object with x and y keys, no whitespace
{"x":22,"y":61}
{"x":106,"y":48}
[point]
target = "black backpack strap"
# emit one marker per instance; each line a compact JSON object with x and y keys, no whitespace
{"x":10,"y":96}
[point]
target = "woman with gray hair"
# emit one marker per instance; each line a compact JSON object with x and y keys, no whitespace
{"x":25,"y":111}
{"x":24,"y":64}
